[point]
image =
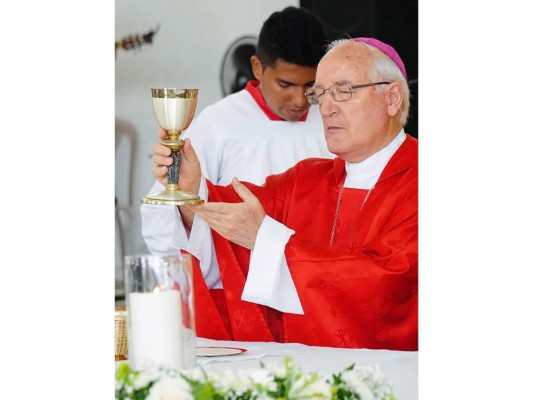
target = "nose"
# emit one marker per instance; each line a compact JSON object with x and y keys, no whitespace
{"x":299,"y":99}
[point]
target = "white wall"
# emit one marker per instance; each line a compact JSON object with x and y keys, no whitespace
{"x":187,"y":51}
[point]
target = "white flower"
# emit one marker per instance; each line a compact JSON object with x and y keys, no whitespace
{"x":311,"y":386}
{"x":238,"y":381}
{"x":263,"y":378}
{"x":354,"y":382}
{"x":279,"y":371}
{"x":141,"y":380}
{"x":167,"y":388}
{"x":195,"y":374}
{"x":375,"y":381}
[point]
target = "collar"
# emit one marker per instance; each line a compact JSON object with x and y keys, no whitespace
{"x":365,"y":174}
{"x":253,"y":88}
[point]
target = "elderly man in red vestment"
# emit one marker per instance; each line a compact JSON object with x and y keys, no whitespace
{"x":325,"y":253}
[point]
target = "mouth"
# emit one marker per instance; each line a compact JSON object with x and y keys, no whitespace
{"x":297,"y":113}
{"x":333,"y":128}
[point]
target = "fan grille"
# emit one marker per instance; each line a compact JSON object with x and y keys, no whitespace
{"x":236,"y":69}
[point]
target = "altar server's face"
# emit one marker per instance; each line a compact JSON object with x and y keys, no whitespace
{"x":283,"y":86}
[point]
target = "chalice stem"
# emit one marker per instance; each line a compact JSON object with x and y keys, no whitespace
{"x":174,"y":169}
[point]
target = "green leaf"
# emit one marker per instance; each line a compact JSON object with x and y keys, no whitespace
{"x":124,"y":370}
{"x":202,"y":390}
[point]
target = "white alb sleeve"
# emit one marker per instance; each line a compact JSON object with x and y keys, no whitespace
{"x":200,"y":245}
{"x":159,"y":225}
{"x":164,"y":233}
{"x":269,"y":280}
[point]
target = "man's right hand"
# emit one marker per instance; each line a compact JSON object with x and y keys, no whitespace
{"x":189,"y":179}
{"x":190,"y":173}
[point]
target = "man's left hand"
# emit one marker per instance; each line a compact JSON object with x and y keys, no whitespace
{"x":237,"y":222}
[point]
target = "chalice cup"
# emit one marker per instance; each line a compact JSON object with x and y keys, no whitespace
{"x":174,"y":110}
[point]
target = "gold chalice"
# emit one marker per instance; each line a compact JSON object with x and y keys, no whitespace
{"x":174,"y":110}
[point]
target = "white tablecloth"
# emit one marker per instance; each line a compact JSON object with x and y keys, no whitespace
{"x":400,"y":367}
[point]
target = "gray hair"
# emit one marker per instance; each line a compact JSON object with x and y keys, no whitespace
{"x":384,"y":68}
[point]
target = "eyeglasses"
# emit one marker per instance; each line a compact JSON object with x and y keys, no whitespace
{"x":338,"y":92}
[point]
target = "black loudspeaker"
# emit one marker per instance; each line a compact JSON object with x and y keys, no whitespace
{"x":395,"y":23}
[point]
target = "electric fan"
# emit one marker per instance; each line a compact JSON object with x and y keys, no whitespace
{"x":236,"y":69}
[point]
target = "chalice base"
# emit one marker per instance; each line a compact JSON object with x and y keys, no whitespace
{"x":172,"y":198}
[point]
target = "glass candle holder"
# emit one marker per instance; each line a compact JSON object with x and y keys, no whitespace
{"x":160,"y":307}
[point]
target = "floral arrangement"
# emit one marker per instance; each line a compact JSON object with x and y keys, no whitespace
{"x":285,"y":382}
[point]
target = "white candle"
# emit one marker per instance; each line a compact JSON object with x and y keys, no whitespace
{"x":155,"y":336}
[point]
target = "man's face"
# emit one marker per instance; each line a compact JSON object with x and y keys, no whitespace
{"x":361,"y":126}
{"x":283,"y":86}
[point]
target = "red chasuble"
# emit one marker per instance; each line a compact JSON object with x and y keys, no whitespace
{"x":359,"y":292}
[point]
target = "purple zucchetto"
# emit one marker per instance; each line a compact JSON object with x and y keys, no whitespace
{"x":385,"y":48}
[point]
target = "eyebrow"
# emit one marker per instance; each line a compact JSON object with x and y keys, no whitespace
{"x":311,"y":83}
{"x":343,"y":82}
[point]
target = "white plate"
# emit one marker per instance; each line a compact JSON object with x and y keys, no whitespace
{"x":218,"y":351}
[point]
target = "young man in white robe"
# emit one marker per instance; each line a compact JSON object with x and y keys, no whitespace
{"x":261,"y":130}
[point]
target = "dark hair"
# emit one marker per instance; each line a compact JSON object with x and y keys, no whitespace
{"x":295,"y":35}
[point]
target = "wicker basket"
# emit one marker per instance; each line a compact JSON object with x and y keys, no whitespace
{"x":121,"y":336}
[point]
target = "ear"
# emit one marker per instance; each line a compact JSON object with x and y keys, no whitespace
{"x":257,"y":67}
{"x":395,"y":98}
